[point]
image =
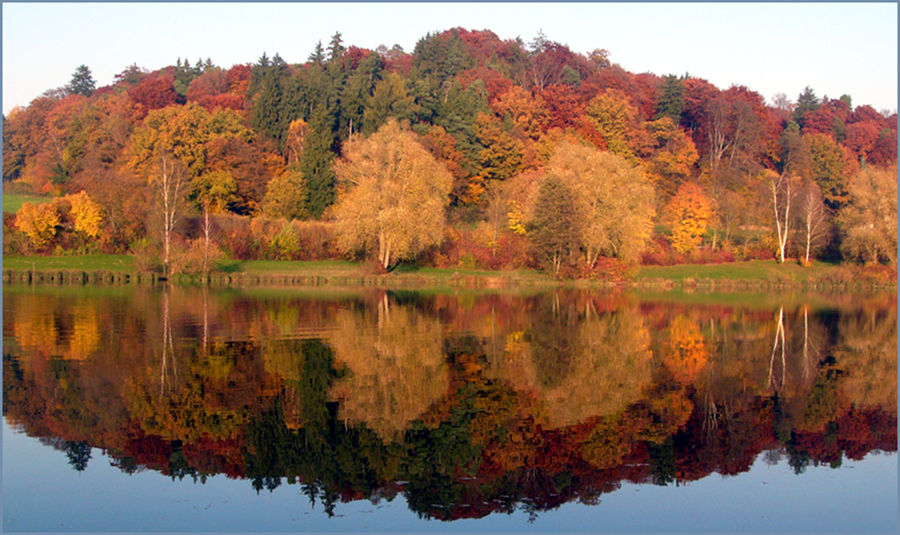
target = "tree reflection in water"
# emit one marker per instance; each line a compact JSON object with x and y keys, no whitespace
{"x":464,"y":405}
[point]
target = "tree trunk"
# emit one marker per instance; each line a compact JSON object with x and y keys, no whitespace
{"x":206,"y":237}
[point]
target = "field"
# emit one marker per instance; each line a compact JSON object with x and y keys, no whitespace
{"x":12,"y":203}
{"x":753,"y":270}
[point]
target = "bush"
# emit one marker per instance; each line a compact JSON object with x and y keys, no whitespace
{"x":659,"y":252}
{"x":604,"y":269}
{"x":146,"y":256}
{"x":286,"y":244}
{"x":472,"y":249}
{"x":261,"y":238}
{"x":14,"y":241}
{"x":188,"y":257}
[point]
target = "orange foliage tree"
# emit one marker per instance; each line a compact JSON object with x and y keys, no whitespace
{"x":38,"y":222}
{"x":689,"y":212}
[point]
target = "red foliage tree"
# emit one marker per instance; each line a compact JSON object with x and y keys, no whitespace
{"x":563,"y":106}
{"x":154,"y":92}
{"x":862,"y":137}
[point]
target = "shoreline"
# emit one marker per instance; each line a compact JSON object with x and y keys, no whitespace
{"x":739,"y":276}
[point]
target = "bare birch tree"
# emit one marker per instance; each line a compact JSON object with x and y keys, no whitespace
{"x":782,"y":189}
{"x":812,"y":219}
{"x":168,"y":178}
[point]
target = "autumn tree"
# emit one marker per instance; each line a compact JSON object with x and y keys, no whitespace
{"x":870,"y":220}
{"x":616,"y":118}
{"x":169,"y":149}
{"x":527,"y":113}
{"x":168,"y":176}
{"x":812,"y":223}
{"x":442,"y":146}
{"x":393,"y":195}
{"x":286,"y":196}
{"x":38,"y":221}
{"x":501,"y":156}
{"x":87,"y":214}
{"x":213,"y":191}
{"x":556,"y":228}
{"x":614,"y":200}
{"x":782,"y":189}
{"x":294,"y":144}
{"x":689,"y":213}
{"x":673,"y":155}
{"x":154,"y":91}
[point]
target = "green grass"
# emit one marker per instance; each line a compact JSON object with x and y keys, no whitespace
{"x":12,"y":203}
{"x":756,"y":273}
{"x":87,"y":263}
{"x":754,"y":270}
{"x":277,"y":267}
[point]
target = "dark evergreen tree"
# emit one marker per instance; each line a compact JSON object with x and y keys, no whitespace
{"x":356,"y":94}
{"x":184,"y":75}
{"x":318,"y":55}
{"x":272,"y":98}
{"x":807,"y":101}
{"x":670,"y":102}
{"x":440,"y":56}
{"x":456,"y":111}
{"x":82,"y":82}
{"x":555,"y":230}
{"x":336,"y":48}
{"x":316,"y":162}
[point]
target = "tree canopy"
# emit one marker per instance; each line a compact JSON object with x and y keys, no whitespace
{"x":392,"y":196}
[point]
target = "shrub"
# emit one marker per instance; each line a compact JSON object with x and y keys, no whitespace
{"x":146,"y":256}
{"x":188,"y":257}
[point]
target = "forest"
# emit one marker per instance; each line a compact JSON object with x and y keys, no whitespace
{"x":470,"y":151}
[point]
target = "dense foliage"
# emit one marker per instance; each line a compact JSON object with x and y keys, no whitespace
{"x":244,"y":148}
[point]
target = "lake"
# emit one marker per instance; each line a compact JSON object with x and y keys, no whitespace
{"x":164,"y":408}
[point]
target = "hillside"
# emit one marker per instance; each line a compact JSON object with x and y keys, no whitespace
{"x":188,"y":163}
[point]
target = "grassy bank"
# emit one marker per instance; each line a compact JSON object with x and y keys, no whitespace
{"x":334,"y":273}
{"x":752,"y":275}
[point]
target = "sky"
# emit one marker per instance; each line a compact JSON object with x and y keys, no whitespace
{"x":834,"y":48}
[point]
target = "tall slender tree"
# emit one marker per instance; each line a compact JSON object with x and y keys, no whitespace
{"x":82,"y":82}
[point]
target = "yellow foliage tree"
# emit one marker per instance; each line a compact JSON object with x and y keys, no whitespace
{"x":689,"y":213}
{"x":870,"y":219}
{"x":391,"y":197}
{"x":615,"y":200}
{"x":673,"y":155}
{"x":87,"y":214}
{"x":38,"y":222}
{"x":286,"y":196}
{"x":617,"y":119}
{"x":526,"y":112}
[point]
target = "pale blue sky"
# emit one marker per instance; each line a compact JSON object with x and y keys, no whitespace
{"x":770,"y":47}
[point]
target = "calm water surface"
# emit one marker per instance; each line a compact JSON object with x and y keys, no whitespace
{"x":187,"y":409}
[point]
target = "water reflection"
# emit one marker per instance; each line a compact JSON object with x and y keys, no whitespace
{"x":465,"y":405}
